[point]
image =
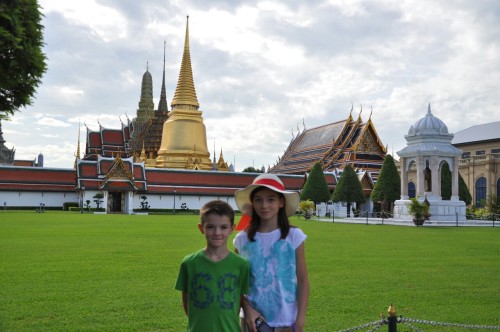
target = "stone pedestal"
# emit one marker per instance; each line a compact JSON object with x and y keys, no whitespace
{"x":439,"y":209}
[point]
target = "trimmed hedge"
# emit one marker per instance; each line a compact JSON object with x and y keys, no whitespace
{"x":68,"y":205}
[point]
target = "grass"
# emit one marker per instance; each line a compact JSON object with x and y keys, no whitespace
{"x":62,"y":271}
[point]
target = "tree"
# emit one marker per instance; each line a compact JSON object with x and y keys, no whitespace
{"x":494,"y":203}
{"x":463,"y":191}
{"x":144,"y":204}
{"x":316,"y":188}
{"x":348,"y":189}
{"x":387,"y":189}
{"x":445,"y":182}
{"x":251,"y":169}
{"x":22,"y":62}
{"x":98,"y":200}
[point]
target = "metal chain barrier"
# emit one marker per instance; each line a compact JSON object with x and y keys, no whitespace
{"x":379,"y":323}
{"x":465,"y":326}
{"x":392,"y":322}
{"x":414,"y":328}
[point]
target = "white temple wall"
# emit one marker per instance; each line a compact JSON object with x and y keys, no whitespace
{"x":178,"y":201}
{"x":25,"y":198}
{"x":131,"y":201}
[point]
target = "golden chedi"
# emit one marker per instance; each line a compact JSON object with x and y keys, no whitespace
{"x":184,"y":138}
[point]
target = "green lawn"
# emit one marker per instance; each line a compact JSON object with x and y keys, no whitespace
{"x":64,"y":271}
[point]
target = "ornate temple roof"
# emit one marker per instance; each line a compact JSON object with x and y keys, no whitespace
{"x":106,"y":142}
{"x":111,"y":173}
{"x":334,"y":146}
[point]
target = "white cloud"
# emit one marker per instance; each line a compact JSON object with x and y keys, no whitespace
{"x":262,"y":68}
{"x":105,"y":22}
{"x":51,"y":122}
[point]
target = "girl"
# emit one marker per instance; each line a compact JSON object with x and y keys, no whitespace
{"x":279,"y":286}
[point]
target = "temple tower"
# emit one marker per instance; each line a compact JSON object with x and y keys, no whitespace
{"x":145,"y":114}
{"x":6,"y":155}
{"x":184,"y":138}
{"x":154,"y":130}
{"x":146,"y":104}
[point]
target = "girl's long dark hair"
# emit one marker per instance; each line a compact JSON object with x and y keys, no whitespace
{"x":283,"y":222}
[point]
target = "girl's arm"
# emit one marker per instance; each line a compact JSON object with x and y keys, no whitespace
{"x":303,"y":288}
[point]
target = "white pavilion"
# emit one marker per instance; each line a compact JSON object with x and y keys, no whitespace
{"x":428,"y":148}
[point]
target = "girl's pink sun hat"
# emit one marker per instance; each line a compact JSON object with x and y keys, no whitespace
{"x":274,"y":183}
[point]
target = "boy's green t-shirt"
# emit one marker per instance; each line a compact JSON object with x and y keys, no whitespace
{"x":214,"y":290}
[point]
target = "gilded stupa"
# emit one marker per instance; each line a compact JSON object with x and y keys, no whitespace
{"x":184,"y":138}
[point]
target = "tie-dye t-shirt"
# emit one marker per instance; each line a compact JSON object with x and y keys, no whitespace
{"x":273,"y":279}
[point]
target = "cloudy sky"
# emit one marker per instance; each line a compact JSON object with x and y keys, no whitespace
{"x":263,"y":69}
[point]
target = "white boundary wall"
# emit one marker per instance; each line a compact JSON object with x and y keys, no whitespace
{"x":33,"y":198}
{"x":132,"y":201}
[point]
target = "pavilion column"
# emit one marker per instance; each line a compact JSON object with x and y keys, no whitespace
{"x":436,"y":184}
{"x":420,"y":176}
{"x":404,"y":179}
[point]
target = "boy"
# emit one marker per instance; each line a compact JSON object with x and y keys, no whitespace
{"x":213,"y":280}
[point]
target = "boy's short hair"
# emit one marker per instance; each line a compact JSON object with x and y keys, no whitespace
{"x":219,"y":208}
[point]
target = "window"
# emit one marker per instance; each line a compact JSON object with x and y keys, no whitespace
{"x":411,"y":190}
{"x":480,"y":152}
{"x":480,"y":191}
{"x":465,"y":155}
{"x":495,"y":150}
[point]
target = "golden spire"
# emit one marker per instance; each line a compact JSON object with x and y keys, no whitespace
{"x":221,"y":157}
{"x":222,"y":164}
{"x":184,"y":136}
{"x":185,"y":93}
{"x":77,"y":154}
{"x":143,"y":153}
{"x":162,"y":104}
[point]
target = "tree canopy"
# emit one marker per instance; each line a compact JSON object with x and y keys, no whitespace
{"x":388,"y":186}
{"x":445,"y":182}
{"x":22,"y":62}
{"x":348,"y":188}
{"x":251,"y":169}
{"x":463,"y":191}
{"x":316,"y":188}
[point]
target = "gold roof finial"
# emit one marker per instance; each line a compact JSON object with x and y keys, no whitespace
{"x":391,"y":311}
{"x":185,"y":93}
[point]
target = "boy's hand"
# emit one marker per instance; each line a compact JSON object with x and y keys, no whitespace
{"x":250,"y":316}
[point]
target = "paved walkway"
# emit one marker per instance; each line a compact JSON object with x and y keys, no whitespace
{"x":380,"y":221}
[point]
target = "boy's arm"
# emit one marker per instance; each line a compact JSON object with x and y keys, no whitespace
{"x":185,"y":302}
{"x":250,"y":314}
{"x":303,"y":287}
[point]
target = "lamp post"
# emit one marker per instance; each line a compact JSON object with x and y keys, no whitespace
{"x":174,"y":199}
{"x":82,"y":194}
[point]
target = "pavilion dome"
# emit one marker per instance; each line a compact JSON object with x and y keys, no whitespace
{"x":428,"y":125}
